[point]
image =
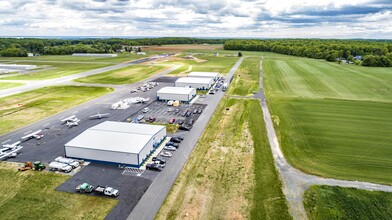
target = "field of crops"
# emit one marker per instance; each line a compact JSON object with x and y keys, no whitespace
{"x":231,"y":173}
{"x":126,"y":75}
{"x":327,"y":202}
{"x":333,"y":120}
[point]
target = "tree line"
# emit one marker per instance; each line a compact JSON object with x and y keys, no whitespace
{"x":371,"y":52}
{"x":14,"y":47}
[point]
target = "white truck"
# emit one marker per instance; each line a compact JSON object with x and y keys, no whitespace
{"x":107,"y":191}
{"x":71,"y":162}
{"x":56,"y":166}
{"x":224,"y":87}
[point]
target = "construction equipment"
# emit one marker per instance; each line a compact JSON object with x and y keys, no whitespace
{"x":38,"y":166}
{"x":28,"y":166}
{"x":84,"y":188}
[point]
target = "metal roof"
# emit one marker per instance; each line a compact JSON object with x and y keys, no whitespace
{"x":195,"y":80}
{"x":116,"y":136}
{"x":204,"y":74}
{"x":176,"y":90}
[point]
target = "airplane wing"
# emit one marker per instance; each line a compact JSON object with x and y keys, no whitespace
{"x":9,"y":151}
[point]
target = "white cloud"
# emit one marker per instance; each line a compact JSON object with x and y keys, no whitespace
{"x":220,"y":18}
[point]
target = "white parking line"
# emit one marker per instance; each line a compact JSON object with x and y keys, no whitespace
{"x":45,"y":124}
{"x":6,"y":141}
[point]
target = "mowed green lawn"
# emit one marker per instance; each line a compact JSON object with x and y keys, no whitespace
{"x":247,"y":78}
{"x":328,"y":202}
{"x":55,"y":70}
{"x":22,"y":109}
{"x":32,"y":195}
{"x":7,"y":85}
{"x":209,"y":63}
{"x":231,"y":173}
{"x":333,"y":120}
{"x":126,"y":75}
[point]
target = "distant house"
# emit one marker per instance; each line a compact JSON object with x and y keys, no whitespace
{"x":30,"y":54}
{"x":343,"y":61}
{"x":350,"y":62}
{"x":141,"y":53}
{"x":358,"y":58}
{"x":120,"y":50}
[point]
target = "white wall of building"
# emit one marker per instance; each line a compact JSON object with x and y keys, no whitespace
{"x":179,"y":96}
{"x":101,"y":155}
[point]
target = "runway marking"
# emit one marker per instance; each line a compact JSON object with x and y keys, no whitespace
{"x":75,"y":112}
{"x":45,"y":124}
{"x":28,"y":132}
{"x":6,"y":141}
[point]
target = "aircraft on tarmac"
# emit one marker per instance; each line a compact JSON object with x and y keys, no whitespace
{"x":99,"y":116}
{"x":37,"y":135}
{"x":10,"y":150}
{"x":71,"y":121}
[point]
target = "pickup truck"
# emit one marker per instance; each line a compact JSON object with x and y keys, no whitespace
{"x":84,"y":188}
{"x":107,"y":191}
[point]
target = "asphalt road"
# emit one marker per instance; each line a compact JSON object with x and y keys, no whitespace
{"x":51,"y":82}
{"x":295,"y":182}
{"x":156,"y":194}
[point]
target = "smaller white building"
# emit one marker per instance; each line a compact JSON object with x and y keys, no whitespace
{"x":17,"y":67}
{"x":194,"y":82}
{"x":183,"y":94}
{"x":94,"y":54}
{"x":213,"y":75}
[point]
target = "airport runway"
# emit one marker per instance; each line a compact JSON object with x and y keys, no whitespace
{"x":51,"y":82}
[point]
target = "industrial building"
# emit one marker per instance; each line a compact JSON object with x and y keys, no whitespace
{"x":183,"y":94}
{"x":94,"y":54}
{"x":17,"y":67}
{"x":194,"y":82}
{"x":213,"y":75}
{"x":117,"y":142}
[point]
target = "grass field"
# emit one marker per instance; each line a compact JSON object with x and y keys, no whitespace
{"x":333,"y":120}
{"x":206,"y":63}
{"x":247,"y":78}
{"x":32,"y":195}
{"x":7,"y":85}
{"x":55,"y":70}
{"x":327,"y":202}
{"x":126,"y":75}
{"x":21,"y":109}
{"x":230,"y":174}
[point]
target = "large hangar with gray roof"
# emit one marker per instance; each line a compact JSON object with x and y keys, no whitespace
{"x":117,"y":142}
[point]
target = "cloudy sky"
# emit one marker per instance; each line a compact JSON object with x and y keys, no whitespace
{"x":198,"y":18}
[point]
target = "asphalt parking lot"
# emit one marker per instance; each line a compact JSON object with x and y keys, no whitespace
{"x":131,"y":187}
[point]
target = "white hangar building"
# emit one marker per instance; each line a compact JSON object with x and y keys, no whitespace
{"x":117,"y":142}
{"x":213,"y":75}
{"x":184,"y":94}
{"x":194,"y":82}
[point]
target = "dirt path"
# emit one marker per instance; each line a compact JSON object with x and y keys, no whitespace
{"x":296,"y":182}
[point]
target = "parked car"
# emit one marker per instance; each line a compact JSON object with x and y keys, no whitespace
{"x":199,"y":111}
{"x":175,"y":140}
{"x":184,"y":113}
{"x":172,"y":120}
{"x":180,"y":137}
{"x":188,"y":114}
{"x":166,"y":154}
{"x":170,"y":148}
{"x":180,"y":122}
{"x":152,"y":119}
{"x":133,"y":91}
{"x":140,"y":117}
{"x":190,"y":122}
{"x":161,"y":161}
{"x":169,"y":109}
{"x":212,"y":92}
{"x":145,"y":110}
{"x":185,"y":128}
{"x":195,"y":111}
{"x":154,"y":166}
{"x":177,"y":111}
{"x":172,"y":144}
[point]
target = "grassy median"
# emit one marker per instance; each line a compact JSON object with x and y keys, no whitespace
{"x":32,"y":195}
{"x":247,"y":78}
{"x":25,"y":108}
{"x":7,"y":85}
{"x":231,"y":173}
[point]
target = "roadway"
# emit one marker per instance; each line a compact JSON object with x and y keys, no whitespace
{"x":153,"y":198}
{"x":51,"y":82}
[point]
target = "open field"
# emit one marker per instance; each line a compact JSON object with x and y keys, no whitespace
{"x":126,"y":75}
{"x":230,"y":174}
{"x":327,"y":202}
{"x":208,"y":63}
{"x":247,"y":78}
{"x":21,"y":109}
{"x":333,"y":120}
{"x":55,"y":70}
{"x":7,"y":85}
{"x":32,"y":195}
{"x":122,"y":57}
{"x":303,"y":77}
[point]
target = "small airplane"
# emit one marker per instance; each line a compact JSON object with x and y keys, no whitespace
{"x":37,"y":135}
{"x":71,"y":121}
{"x":142,"y":100}
{"x":99,"y":116}
{"x":10,"y":150}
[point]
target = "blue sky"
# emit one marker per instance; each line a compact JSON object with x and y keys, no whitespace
{"x":198,"y":18}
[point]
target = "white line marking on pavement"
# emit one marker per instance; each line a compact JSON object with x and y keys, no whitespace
{"x":6,"y":141}
{"x":45,"y":124}
{"x":28,"y":132}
